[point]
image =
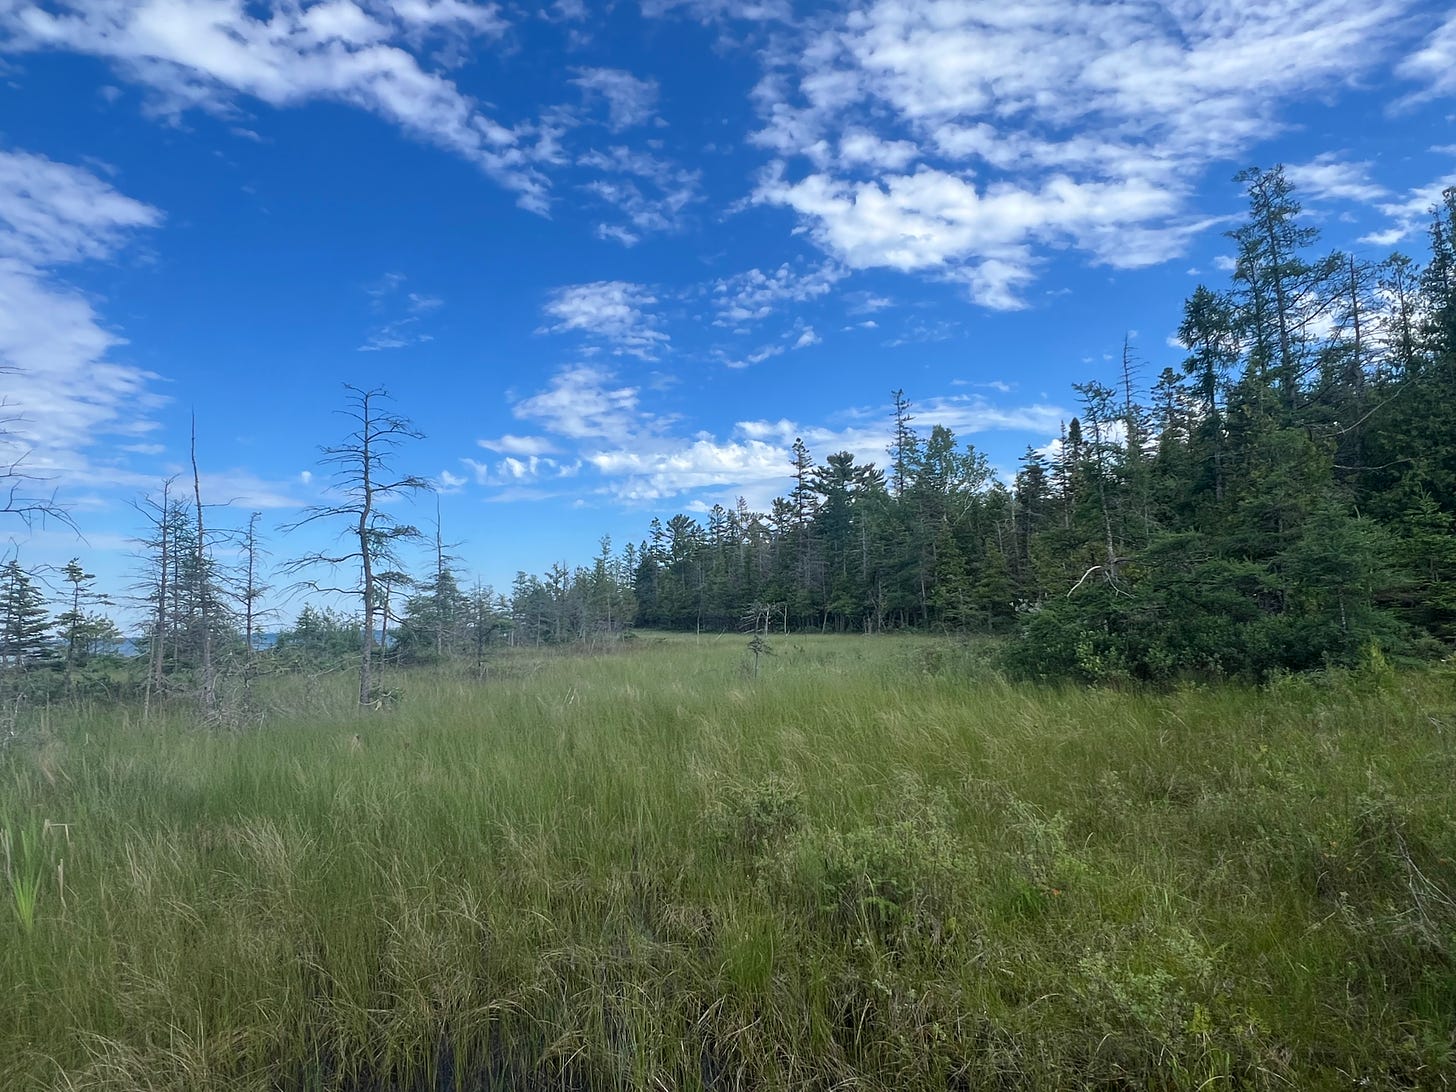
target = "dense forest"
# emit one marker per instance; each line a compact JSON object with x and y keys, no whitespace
{"x":1281,"y":500}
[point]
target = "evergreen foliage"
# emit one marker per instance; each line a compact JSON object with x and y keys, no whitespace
{"x":25,"y":626}
{"x":1286,"y":501}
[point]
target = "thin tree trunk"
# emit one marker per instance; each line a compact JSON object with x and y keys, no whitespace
{"x":366,"y":548}
{"x":204,"y":591}
{"x":159,"y":633}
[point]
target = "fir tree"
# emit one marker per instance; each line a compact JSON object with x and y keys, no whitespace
{"x":25,"y":626}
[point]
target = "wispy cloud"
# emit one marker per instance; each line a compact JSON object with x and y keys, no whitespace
{"x":614,"y":313}
{"x":749,"y":297}
{"x":710,"y":11}
{"x":629,"y":101}
{"x":754,"y":461}
{"x":519,"y":445}
{"x":243,"y":490}
{"x":584,"y":403}
{"x":964,"y":139}
{"x":66,"y":393}
{"x":1410,"y":212}
{"x":1434,"y":64}
{"x":650,"y":192}
{"x":1329,"y":177}
{"x":404,"y":314}
{"x":602,"y":434}
{"x":204,"y":54}
{"x":56,"y":214}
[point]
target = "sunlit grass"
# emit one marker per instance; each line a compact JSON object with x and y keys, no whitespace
{"x":877,"y":864}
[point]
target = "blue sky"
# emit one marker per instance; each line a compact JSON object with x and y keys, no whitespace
{"x":613,"y":258}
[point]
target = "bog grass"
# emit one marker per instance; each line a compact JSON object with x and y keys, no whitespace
{"x":874,"y":865}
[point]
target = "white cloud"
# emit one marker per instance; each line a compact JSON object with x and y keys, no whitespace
{"x":614,"y":312}
{"x":709,"y":11}
{"x":447,"y":482}
{"x":1327,"y":177}
{"x":758,"y":356}
{"x":651,"y":192}
{"x":1410,"y":212}
{"x":866,"y":303}
{"x":800,"y":336}
{"x":52,"y":213}
{"x":242,"y":490}
{"x":407,"y":309}
{"x":67,"y":395}
{"x":936,"y":220}
{"x":512,"y":473}
{"x":517,"y":469}
{"x":630,"y":101}
{"x":205,"y":53}
{"x":918,"y":331}
{"x":519,"y":445}
{"x":755,"y":295}
{"x":584,"y":403}
{"x":744,"y":467}
{"x":476,"y":19}
{"x":627,"y":454}
{"x":395,"y":335}
{"x":618,"y":233}
{"x":858,"y":147}
{"x":1434,"y":64}
{"x":566,"y":11}
{"x":963,"y":137}
{"x":754,"y":462}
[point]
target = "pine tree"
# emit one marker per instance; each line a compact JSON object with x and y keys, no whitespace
{"x":25,"y":626}
{"x":1283,"y":293}
{"x":903,"y":447}
{"x":72,"y":623}
{"x":1209,"y":332}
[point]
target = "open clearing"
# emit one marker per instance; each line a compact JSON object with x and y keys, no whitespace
{"x":875,"y":865}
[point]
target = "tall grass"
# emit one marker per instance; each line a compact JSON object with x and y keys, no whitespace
{"x":875,"y":865}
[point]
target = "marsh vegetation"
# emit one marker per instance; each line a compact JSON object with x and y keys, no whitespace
{"x":876,"y":863}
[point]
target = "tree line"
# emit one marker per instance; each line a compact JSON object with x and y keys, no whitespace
{"x":1283,"y":498}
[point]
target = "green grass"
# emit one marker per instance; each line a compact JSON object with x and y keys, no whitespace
{"x":876,"y":865}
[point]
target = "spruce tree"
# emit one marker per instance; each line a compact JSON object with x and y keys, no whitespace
{"x":72,"y":623}
{"x":25,"y":626}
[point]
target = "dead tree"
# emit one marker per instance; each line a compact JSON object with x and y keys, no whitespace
{"x":364,"y":477}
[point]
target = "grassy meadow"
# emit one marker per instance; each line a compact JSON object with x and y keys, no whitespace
{"x":875,"y":865}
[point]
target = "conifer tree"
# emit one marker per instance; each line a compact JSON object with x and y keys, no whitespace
{"x":25,"y":626}
{"x":72,"y":623}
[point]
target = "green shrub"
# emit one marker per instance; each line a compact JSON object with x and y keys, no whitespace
{"x":751,"y":819}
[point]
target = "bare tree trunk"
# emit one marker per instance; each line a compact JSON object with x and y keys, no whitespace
{"x":204,"y":589}
{"x":159,"y":631}
{"x":250,"y":616}
{"x":366,"y":652}
{"x":439,"y":583}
